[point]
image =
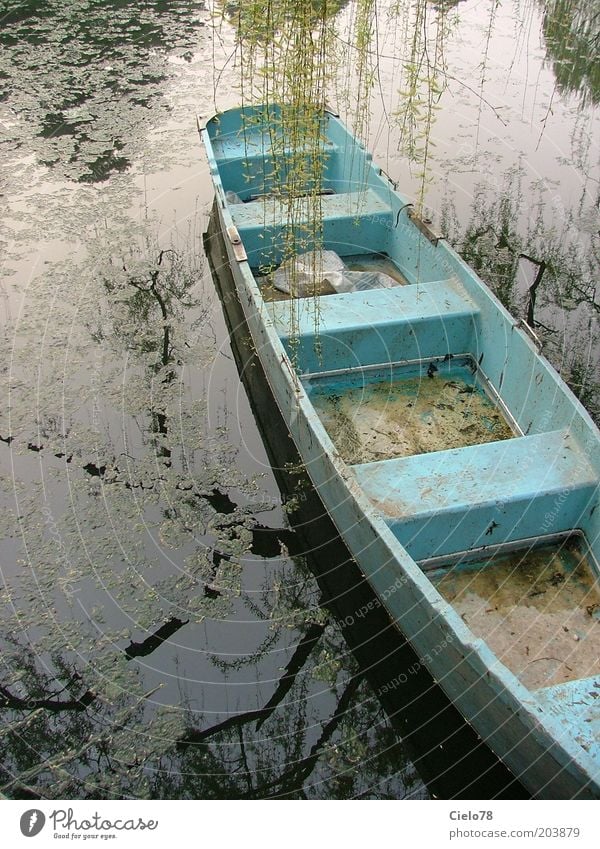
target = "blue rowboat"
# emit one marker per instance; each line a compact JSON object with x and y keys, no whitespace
{"x":457,"y":466}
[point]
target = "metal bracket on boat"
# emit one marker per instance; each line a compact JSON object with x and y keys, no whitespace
{"x":529,"y":331}
{"x":385,"y":174}
{"x":423,"y":224}
{"x":201,"y":123}
{"x":239,"y":251}
{"x":329,"y":109}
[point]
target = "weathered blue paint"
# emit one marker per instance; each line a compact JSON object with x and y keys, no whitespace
{"x":392,"y":512}
{"x":450,"y":501}
{"x":351,"y":220}
{"x":368,"y":328}
{"x":575,"y":704}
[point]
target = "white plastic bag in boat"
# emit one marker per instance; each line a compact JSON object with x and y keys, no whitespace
{"x":231,"y":197}
{"x":306,"y":274}
{"x":360,"y":281}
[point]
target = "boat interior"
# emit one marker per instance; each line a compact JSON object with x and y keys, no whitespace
{"x":458,"y":431}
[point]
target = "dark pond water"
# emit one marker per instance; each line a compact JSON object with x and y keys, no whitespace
{"x":178,"y":618}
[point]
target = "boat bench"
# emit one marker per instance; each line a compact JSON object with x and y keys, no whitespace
{"x":449,"y":501}
{"x":251,"y":174}
{"x":353,"y":222}
{"x":253,"y":144}
{"x":411,"y":323}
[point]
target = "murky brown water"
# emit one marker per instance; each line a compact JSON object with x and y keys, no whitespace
{"x":538,"y":610}
{"x":412,"y":415}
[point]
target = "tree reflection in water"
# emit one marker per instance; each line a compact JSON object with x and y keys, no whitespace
{"x":572,"y":34}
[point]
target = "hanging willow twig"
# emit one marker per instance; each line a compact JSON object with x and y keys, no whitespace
{"x":289,"y":56}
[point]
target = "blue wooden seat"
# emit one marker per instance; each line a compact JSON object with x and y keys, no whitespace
{"x":353,"y":222}
{"x":255,"y":173}
{"x":358,"y":329}
{"x":449,"y":501}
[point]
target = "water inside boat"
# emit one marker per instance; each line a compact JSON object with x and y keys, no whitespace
{"x":537,"y":607}
{"x":378,"y":414}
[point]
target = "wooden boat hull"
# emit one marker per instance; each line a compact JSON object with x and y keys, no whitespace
{"x":553,"y":754}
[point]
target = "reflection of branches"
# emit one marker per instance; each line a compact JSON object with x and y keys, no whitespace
{"x":7,"y":700}
{"x":583,"y":296}
{"x":259,"y":652}
{"x":55,"y":705}
{"x":542,"y":265}
{"x":295,"y":777}
{"x":154,"y":641}
{"x":41,"y":696}
{"x":150,"y":286}
{"x":55,"y":764}
{"x":570,"y":34}
{"x":299,"y":658}
{"x":564,"y":283}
